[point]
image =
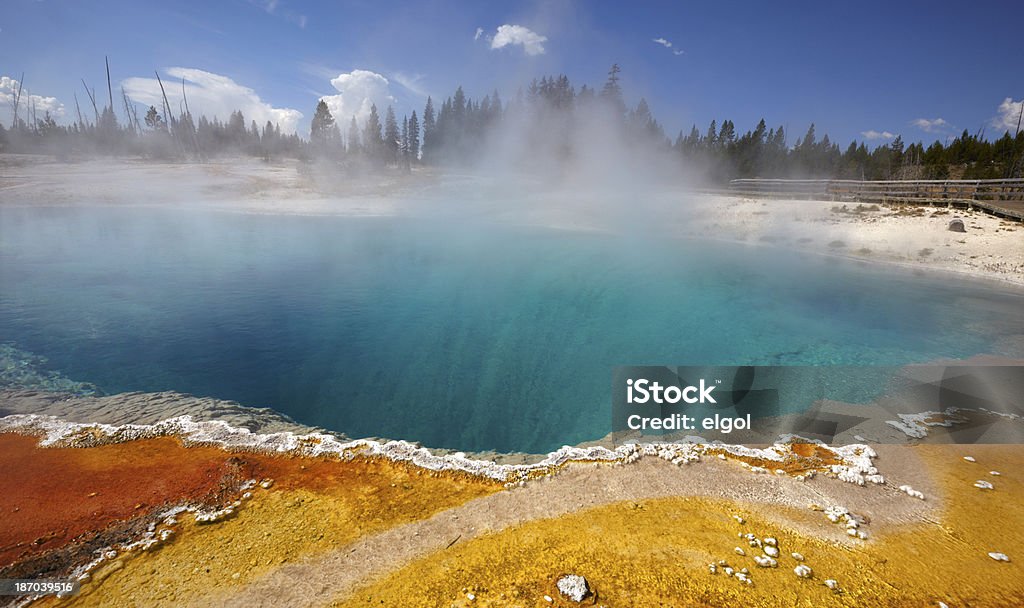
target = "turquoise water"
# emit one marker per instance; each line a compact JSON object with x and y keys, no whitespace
{"x":453,"y":332}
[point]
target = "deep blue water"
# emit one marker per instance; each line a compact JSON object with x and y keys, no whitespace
{"x":455,"y":333}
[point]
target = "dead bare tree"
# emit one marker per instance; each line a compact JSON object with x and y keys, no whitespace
{"x":110,"y":93}
{"x":167,"y":106}
{"x":171,"y":121}
{"x":132,"y":126}
{"x":191,"y":124}
{"x":78,"y":110}
{"x":92,"y":98}
{"x":16,"y":101}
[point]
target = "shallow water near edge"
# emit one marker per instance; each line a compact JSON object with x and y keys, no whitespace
{"x":453,"y":332}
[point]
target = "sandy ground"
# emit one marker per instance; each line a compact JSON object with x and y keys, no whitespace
{"x":992,"y":248}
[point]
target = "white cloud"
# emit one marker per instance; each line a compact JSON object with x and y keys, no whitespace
{"x":271,"y":8}
{"x":211,"y":95}
{"x":413,"y":83}
{"x":357,"y":91}
{"x":9,"y":90}
{"x":531,"y":41}
{"x":668,"y":45}
{"x":930,"y":125}
{"x":479,"y":32}
{"x":1009,"y":114}
{"x":872,"y":134}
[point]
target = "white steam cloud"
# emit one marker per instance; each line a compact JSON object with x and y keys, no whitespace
{"x":357,"y":91}
{"x":510,"y":35}
{"x":872,"y":134}
{"x":211,"y":95}
{"x":1009,"y":114}
{"x":930,"y":125}
{"x":9,"y":90}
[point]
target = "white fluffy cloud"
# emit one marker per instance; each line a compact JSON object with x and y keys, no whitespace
{"x":930,"y":125}
{"x":211,"y":95}
{"x":357,"y":91}
{"x":479,"y":32}
{"x":531,"y":41}
{"x":9,"y":90}
{"x":668,"y":45}
{"x":872,"y":134}
{"x":1009,"y":114}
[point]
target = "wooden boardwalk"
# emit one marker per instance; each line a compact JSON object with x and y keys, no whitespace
{"x":1000,"y":197}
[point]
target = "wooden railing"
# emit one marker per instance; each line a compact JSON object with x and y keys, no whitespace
{"x":1001,"y":196}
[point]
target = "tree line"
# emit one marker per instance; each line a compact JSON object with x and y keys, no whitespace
{"x":550,"y":116}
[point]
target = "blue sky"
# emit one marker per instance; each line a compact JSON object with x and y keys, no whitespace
{"x":852,"y":67}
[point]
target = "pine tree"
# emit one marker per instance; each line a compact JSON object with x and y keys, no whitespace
{"x":153,"y":119}
{"x":372,"y":139}
{"x":414,"y":137}
{"x":322,"y":131}
{"x":429,"y":127}
{"x":354,"y":145}
{"x":711,"y":139}
{"x":612,"y":92}
{"x":392,"y":137}
{"x":404,"y":147}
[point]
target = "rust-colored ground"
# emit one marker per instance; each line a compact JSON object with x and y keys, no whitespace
{"x":61,"y":504}
{"x":50,"y":496}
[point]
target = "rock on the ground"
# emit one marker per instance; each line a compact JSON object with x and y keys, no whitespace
{"x":574,"y":587}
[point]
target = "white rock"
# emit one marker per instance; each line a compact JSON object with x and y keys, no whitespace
{"x":739,"y":519}
{"x":802,"y":571}
{"x":574,"y":587}
{"x":547,"y":598}
{"x":771,"y":542}
{"x":771,"y":551}
{"x":912,"y":492}
{"x":470,"y":597}
{"x":713,"y":568}
{"x":831,"y":584}
{"x":999,"y":557}
{"x":996,"y":473}
{"x":728,"y":571}
{"x":983,"y":485}
{"x":739,"y":551}
{"x":970,"y":459}
{"x":798,"y":557}
{"x":765,"y":562}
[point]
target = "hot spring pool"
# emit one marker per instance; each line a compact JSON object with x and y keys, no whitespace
{"x":454,"y":333}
